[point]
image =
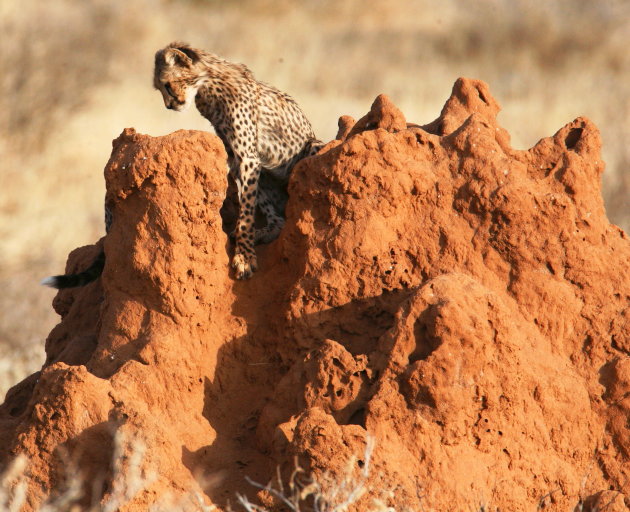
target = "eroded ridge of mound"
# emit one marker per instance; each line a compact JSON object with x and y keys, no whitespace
{"x":464,"y":303}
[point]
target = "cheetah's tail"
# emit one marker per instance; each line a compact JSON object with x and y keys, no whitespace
{"x":80,"y":279}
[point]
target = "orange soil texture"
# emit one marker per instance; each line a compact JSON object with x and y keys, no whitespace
{"x":464,"y":303}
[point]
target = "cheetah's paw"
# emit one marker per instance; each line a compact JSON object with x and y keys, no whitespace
{"x":244,"y":265}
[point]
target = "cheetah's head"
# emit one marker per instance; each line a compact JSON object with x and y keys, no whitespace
{"x":176,"y":75}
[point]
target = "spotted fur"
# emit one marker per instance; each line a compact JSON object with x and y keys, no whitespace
{"x":263,"y":130}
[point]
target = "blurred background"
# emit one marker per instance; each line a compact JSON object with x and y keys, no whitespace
{"x":74,"y":73}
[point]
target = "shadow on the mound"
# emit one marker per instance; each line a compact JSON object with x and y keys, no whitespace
{"x":248,"y":371}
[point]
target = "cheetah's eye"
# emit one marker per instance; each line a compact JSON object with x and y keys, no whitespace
{"x":169,"y":90}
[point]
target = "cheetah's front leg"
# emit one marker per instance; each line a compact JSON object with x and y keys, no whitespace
{"x":244,"y":261}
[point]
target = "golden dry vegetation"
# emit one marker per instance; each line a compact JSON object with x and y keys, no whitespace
{"x":74,"y":73}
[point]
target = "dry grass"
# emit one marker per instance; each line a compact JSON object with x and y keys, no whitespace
{"x":328,"y":493}
{"x":75,"y":73}
{"x":129,"y":480}
{"x":302,"y":492}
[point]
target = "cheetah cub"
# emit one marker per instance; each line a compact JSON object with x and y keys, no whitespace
{"x":263,"y":129}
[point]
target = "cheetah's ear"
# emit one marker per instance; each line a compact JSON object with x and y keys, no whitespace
{"x":175,"y":57}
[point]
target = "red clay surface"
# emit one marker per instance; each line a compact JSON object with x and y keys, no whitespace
{"x":464,"y":303}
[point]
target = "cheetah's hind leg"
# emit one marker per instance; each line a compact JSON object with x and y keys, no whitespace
{"x":272,"y":199}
